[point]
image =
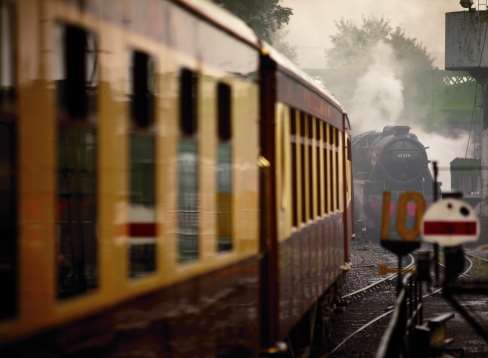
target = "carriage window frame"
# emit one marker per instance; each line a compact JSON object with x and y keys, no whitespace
{"x":188,"y":222}
{"x":142,"y":149}
{"x":225,"y":174}
{"x":77,"y":167}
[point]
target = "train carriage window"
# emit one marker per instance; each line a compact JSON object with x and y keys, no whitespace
{"x":332,"y":177}
{"x":348,"y":173}
{"x":224,"y":168}
{"x":326,"y":170}
{"x":349,"y":155}
{"x":7,"y":44}
{"x":318,"y":166}
{"x":8,"y":163}
{"x":77,"y":245}
{"x":337,"y":173}
{"x":303,"y":173}
{"x":188,"y":205}
{"x":311,"y":189}
{"x":294,"y":173}
{"x":142,"y":228}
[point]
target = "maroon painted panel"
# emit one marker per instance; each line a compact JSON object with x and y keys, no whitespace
{"x":309,"y":264}
{"x":212,"y":314}
{"x":295,"y":94}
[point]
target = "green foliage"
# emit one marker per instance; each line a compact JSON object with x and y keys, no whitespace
{"x":265,"y":17}
{"x":352,"y":43}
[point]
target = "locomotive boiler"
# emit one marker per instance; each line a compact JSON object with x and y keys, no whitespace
{"x":393,"y":160}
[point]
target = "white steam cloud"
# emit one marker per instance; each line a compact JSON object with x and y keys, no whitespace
{"x":378,"y":97}
{"x":443,"y":150}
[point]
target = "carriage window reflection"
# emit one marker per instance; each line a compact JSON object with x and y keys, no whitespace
{"x":224,"y":168}
{"x":8,"y":164}
{"x":77,"y":164}
{"x":188,"y":204}
{"x":142,"y":151}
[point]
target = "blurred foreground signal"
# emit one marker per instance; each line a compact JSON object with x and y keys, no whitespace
{"x":450,"y":222}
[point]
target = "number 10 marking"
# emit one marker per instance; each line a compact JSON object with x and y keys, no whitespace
{"x":406,"y":233}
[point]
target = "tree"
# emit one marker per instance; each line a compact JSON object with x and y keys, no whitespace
{"x":265,"y":17}
{"x":283,"y":46}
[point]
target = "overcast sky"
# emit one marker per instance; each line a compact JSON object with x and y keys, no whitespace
{"x":313,"y":22}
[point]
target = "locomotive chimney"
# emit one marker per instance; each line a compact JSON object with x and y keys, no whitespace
{"x":401,"y":130}
{"x":396,"y":130}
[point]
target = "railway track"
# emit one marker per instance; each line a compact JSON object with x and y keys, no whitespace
{"x":481,"y":258}
{"x":362,"y":291}
{"x":379,"y":317}
{"x":470,"y":265}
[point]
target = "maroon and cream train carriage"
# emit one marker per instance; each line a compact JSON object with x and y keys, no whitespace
{"x":305,"y":136}
{"x":170,"y":186}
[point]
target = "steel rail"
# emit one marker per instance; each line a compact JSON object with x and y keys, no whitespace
{"x":483,"y":259}
{"x":360,"y":329}
{"x":379,"y":282}
{"x":470,"y":266}
{"x":465,"y":274}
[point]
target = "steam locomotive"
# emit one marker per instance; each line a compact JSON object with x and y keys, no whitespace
{"x":393,"y":160}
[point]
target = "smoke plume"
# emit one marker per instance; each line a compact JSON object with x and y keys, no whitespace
{"x":378,"y":98}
